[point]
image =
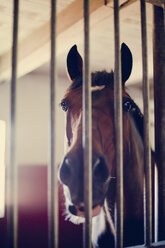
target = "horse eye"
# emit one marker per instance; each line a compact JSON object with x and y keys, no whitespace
{"x":64,"y":105}
{"x":127,"y":106}
{"x":69,"y":143}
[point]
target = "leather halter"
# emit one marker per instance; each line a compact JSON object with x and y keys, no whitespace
{"x":130,"y":106}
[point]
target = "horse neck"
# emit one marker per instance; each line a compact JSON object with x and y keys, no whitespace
{"x":133,"y":167}
{"x":133,"y":170}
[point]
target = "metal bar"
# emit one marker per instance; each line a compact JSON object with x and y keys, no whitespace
{"x":52,"y":167}
{"x":118,"y":129}
{"x":87,"y":136}
{"x":147,"y":149}
{"x":164,"y":14}
{"x":160,"y":244}
{"x":159,"y":100}
{"x":12,"y":170}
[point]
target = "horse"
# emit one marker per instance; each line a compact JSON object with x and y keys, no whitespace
{"x":103,"y":154}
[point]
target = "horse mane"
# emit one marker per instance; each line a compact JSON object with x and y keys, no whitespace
{"x":98,"y":78}
{"x":102,"y":78}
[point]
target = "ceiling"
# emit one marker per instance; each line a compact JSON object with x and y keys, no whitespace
{"x":34,"y":33}
{"x":34,"y":57}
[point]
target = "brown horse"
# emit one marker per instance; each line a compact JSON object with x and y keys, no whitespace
{"x":103,"y":154}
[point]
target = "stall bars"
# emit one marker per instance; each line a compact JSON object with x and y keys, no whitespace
{"x":159,"y":75}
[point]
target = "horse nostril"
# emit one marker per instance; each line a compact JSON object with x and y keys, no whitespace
{"x":100,"y":170}
{"x":81,"y":209}
{"x":73,"y":210}
{"x":65,"y":172}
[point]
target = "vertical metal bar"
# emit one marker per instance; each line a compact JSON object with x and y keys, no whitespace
{"x":147,"y":149}
{"x":164,"y":15}
{"x":118,"y":129}
{"x":12,"y":170}
{"x":52,"y":167}
{"x":87,"y":132}
{"x":159,"y":100}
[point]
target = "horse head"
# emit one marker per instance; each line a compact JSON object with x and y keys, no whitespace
{"x":103,"y":140}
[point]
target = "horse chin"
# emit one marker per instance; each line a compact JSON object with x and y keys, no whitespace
{"x":75,"y":213}
{"x":95,"y":211}
{"x":79,"y":211}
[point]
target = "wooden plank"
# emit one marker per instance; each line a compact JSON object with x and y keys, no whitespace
{"x":122,"y":3}
{"x":159,"y":3}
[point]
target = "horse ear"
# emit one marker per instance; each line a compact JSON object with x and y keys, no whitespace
{"x":74,"y":63}
{"x":126,"y":62}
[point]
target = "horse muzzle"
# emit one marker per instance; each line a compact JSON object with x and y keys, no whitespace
{"x":72,"y":176}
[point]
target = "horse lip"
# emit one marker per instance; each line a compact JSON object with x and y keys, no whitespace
{"x":79,"y":210}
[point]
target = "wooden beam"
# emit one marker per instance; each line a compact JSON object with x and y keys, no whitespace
{"x":35,"y":49}
{"x":159,"y":3}
{"x":122,"y":3}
